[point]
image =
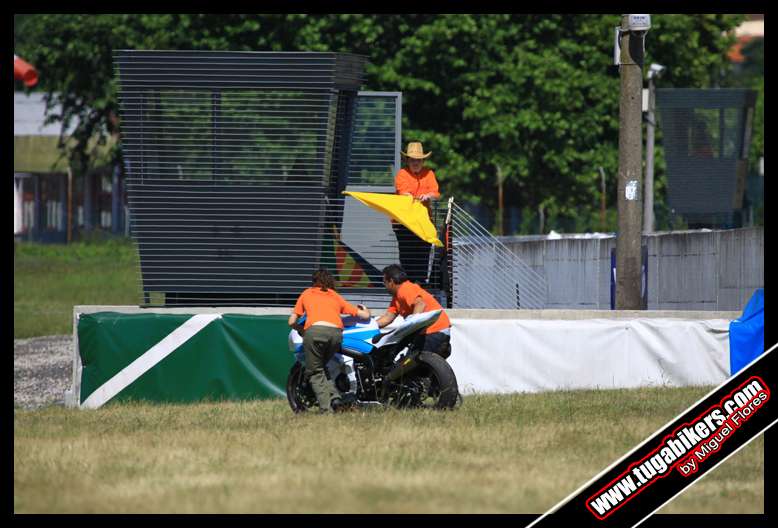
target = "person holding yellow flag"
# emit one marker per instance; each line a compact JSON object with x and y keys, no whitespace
{"x":417,"y":181}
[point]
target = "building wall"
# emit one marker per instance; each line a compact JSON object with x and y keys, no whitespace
{"x":41,"y":205}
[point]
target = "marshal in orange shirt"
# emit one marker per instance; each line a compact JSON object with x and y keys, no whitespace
{"x":322,"y":306}
{"x":424,"y":183}
{"x":402,"y":303}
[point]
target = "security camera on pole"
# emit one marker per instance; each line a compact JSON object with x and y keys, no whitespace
{"x":629,"y":56}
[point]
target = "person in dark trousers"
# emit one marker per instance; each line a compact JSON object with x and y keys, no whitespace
{"x":409,"y":298}
{"x":323,"y":333}
{"x":417,"y":181}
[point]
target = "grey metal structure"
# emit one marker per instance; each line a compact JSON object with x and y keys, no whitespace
{"x":706,"y":137}
{"x":485,"y":273}
{"x":375,"y":158}
{"x":236,"y":163}
{"x":687,"y":270}
{"x":375,"y":146}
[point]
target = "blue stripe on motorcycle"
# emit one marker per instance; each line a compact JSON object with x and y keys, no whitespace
{"x":357,"y":345}
{"x":360,"y":334}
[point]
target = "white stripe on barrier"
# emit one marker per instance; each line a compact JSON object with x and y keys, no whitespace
{"x":148,"y":359}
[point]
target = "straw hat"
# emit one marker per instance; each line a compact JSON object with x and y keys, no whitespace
{"x":415,"y":151}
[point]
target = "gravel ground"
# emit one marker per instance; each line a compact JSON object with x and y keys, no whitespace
{"x":43,"y":370}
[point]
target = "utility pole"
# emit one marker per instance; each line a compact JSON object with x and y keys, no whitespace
{"x":630,"y":210}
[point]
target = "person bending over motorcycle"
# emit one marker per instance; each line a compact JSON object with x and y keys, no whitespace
{"x":323,"y":333}
{"x":410,"y":298}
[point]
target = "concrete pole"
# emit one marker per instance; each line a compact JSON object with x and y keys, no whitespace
{"x":648,"y":205}
{"x":36,"y":208}
{"x":116,"y":199}
{"x":88,"y":202}
{"x":70,"y":206}
{"x":18,"y":206}
{"x":63,"y":205}
{"x":630,"y":208}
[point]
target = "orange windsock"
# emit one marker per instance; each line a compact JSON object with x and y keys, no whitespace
{"x":24,"y":71}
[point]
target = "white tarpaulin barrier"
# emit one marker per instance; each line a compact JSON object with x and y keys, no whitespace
{"x":525,"y":355}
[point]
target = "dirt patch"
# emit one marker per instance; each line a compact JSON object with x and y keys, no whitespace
{"x":43,"y":370}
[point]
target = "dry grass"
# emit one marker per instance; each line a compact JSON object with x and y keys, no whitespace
{"x":736,"y":486}
{"x":496,"y":454}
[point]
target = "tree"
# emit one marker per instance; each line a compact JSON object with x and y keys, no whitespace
{"x":533,"y":98}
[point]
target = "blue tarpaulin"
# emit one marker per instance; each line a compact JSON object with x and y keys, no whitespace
{"x":746,"y":334}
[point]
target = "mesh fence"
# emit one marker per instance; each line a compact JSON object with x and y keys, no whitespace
{"x":485,"y":273}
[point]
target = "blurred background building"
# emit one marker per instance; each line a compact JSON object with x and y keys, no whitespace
{"x":48,"y":203}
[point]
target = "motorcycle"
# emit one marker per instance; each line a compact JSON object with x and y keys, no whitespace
{"x":378,"y":367}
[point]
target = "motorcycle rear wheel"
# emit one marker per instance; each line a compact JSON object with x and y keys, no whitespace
{"x":299,"y":392}
{"x":432,"y":384}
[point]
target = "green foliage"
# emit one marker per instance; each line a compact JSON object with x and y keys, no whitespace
{"x":535,"y":95}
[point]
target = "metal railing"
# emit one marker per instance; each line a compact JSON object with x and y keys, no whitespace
{"x":485,"y":273}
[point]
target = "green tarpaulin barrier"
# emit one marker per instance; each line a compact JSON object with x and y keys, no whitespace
{"x":182,"y":358}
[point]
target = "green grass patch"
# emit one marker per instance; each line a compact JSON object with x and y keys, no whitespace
{"x":49,"y":279}
{"x":519,"y":453}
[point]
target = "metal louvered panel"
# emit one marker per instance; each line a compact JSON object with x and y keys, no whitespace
{"x":375,"y":154}
{"x":705,"y":137}
{"x":235,"y":166}
{"x":239,"y":69}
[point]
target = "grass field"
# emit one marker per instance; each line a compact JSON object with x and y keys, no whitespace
{"x":49,"y":279}
{"x":496,"y":454}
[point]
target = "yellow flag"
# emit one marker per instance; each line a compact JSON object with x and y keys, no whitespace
{"x":409,"y":212}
